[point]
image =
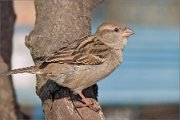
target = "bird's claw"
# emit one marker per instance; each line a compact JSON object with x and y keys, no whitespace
{"x":91,"y":105}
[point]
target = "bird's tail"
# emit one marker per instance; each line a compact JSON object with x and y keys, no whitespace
{"x":31,"y":69}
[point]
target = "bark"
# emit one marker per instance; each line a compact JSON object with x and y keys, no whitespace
{"x":8,"y":105}
{"x":59,"y":23}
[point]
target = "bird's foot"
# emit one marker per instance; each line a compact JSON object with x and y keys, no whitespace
{"x":88,"y":103}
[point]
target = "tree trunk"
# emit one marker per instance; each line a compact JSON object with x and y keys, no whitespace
{"x":8,"y":105}
{"x":59,"y":23}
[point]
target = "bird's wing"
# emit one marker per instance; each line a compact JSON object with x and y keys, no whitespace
{"x":90,"y":52}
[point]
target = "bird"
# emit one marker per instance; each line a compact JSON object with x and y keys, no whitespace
{"x":92,"y":59}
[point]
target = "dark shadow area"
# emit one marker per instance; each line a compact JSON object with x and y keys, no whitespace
{"x":51,"y":90}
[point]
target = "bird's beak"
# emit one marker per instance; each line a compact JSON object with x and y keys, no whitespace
{"x":128,"y":32}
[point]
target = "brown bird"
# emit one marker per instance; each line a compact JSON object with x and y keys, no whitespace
{"x":94,"y":58}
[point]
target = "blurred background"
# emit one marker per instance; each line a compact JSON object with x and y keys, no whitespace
{"x":145,"y":86}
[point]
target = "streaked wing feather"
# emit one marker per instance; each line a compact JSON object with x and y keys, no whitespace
{"x":90,"y":60}
{"x":91,"y":51}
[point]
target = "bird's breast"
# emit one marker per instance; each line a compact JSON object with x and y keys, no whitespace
{"x":79,"y":77}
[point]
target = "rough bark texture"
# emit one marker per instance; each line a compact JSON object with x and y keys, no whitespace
{"x":8,"y":105}
{"x":59,"y":23}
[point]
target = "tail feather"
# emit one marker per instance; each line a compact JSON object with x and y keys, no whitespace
{"x":31,"y":69}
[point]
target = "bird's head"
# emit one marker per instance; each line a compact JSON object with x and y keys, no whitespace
{"x":114,"y":34}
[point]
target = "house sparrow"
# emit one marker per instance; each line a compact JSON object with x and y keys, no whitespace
{"x":94,"y":58}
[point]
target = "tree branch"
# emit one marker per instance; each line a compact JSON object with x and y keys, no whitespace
{"x":8,"y":105}
{"x":59,"y":23}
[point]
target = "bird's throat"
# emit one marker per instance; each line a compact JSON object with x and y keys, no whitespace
{"x":124,"y":41}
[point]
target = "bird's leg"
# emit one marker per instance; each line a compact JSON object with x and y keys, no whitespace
{"x":85,"y":100}
{"x":88,"y":103}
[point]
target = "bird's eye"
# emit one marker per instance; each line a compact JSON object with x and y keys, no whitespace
{"x":116,"y":29}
